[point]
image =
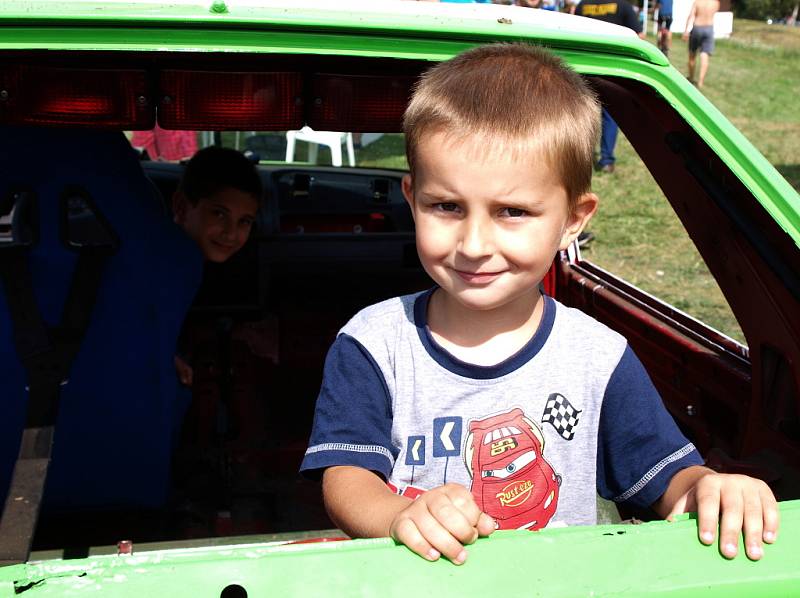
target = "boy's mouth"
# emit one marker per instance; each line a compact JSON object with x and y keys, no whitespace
{"x":477,"y":277}
{"x":223,"y":245}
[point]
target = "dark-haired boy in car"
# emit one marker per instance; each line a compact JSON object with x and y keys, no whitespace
{"x":217,"y":201}
{"x":482,"y":403}
{"x":216,"y":204}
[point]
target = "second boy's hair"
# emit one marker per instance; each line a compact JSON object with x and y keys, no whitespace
{"x":522,"y":100}
{"x":215,"y":168}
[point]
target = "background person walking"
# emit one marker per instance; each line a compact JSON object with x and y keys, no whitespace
{"x":701,"y":25}
{"x":618,"y":12}
{"x":664,"y":25}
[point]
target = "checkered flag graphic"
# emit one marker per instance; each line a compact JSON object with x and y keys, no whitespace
{"x":560,"y":413}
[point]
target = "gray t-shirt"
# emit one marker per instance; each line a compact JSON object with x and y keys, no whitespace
{"x":536,"y":437}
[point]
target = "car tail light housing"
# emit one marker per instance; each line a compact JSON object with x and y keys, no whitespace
{"x":359,"y":102}
{"x":96,"y":98}
{"x":207,"y":100}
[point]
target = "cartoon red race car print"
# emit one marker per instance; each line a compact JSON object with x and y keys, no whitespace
{"x":511,"y":480}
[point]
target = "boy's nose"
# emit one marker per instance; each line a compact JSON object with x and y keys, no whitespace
{"x":228,"y":231}
{"x":475,"y":239}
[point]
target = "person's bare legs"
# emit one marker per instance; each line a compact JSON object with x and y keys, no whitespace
{"x":692,"y":56}
{"x":703,"y":69}
{"x":664,"y":40}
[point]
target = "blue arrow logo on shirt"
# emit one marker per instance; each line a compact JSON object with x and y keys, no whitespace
{"x":446,"y":436}
{"x":415,"y":450}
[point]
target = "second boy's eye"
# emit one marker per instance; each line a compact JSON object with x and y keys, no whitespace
{"x":447,"y":207}
{"x":513,"y":212}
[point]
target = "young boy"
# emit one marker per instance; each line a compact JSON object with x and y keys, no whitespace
{"x":216,"y":204}
{"x":217,"y":201}
{"x":482,"y":403}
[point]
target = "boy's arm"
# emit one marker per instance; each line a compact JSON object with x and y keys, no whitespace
{"x":359,"y":502}
{"x":736,"y":502}
{"x":438,"y":522}
{"x":351,"y":440}
{"x":690,"y":20}
{"x":643,"y":459}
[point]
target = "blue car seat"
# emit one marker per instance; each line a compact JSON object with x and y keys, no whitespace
{"x":113,"y":433}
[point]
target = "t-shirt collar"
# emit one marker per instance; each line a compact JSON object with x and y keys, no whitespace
{"x":468,"y":370}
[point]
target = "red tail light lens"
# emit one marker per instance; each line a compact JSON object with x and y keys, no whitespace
{"x":230,"y":101}
{"x":359,"y":102}
{"x":98,"y":98}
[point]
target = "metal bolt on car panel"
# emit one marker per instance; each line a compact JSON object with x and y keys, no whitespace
{"x":219,"y":7}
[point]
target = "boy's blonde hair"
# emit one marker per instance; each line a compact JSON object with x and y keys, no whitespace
{"x":521,"y":100}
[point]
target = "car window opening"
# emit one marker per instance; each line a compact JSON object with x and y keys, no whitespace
{"x":330,"y":240}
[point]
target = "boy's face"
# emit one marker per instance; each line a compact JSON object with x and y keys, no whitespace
{"x":488,"y":229}
{"x":220,"y":224}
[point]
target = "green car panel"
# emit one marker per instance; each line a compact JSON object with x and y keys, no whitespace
{"x":663,"y":558}
{"x":658,"y":558}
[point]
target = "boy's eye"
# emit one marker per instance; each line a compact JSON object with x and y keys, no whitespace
{"x":447,"y":207}
{"x":513,"y":212}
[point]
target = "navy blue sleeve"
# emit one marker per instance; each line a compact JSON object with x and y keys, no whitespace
{"x":353,"y":416}
{"x":639,"y":445}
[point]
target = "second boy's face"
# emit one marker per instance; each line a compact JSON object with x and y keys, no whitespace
{"x":488,"y":229}
{"x":220,"y":224}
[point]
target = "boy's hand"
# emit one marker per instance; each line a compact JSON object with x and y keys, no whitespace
{"x":440,"y":522}
{"x":184,"y":371}
{"x":737,"y":503}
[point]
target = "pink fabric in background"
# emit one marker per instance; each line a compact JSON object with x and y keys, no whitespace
{"x":162,"y":144}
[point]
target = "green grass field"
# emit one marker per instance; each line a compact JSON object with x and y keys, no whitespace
{"x":754,"y":80}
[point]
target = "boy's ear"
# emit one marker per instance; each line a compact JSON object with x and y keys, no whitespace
{"x":584,"y":209}
{"x":407,"y":185}
{"x":178,"y":207}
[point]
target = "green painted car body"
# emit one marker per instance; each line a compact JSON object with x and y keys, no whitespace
{"x":661,"y":558}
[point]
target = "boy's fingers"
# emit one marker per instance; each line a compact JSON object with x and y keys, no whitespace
{"x":731,"y":523}
{"x":452,"y":519}
{"x":407,"y":533}
{"x":707,"y":516}
{"x":753,"y":526}
{"x":679,"y":507}
{"x":463,"y":501}
{"x":440,"y":538}
{"x":486,"y":525}
{"x":771,"y":514}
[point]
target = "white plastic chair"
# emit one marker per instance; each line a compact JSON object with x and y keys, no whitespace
{"x":332,"y":139}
